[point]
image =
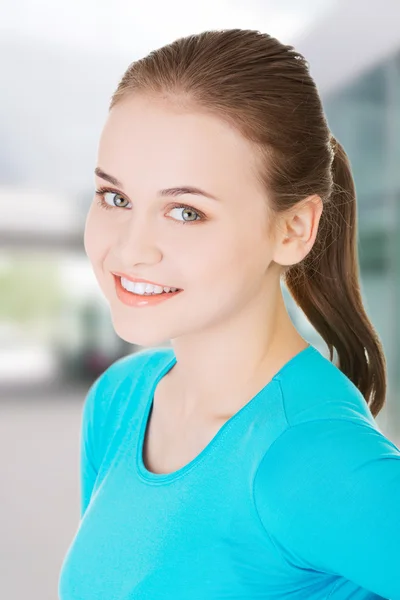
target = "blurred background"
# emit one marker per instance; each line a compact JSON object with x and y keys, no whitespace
{"x":59,"y":64}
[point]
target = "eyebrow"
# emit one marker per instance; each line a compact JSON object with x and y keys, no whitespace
{"x":175,"y":191}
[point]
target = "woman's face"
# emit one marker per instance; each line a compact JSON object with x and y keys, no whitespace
{"x":215,"y":250}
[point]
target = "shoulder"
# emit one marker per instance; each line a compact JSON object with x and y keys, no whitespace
{"x":324,"y":451}
{"x":131,"y":365}
{"x":128,"y":369}
{"x":318,"y":389}
{"x":323,"y":464}
{"x":330,"y":451}
{"x":330,"y":432}
{"x":121,"y":381}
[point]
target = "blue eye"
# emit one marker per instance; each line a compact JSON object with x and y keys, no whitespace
{"x":102,"y":192}
{"x":189,"y":209}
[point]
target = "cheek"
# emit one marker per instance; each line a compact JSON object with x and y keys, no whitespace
{"x":235,"y":257}
{"x":225,"y":264}
{"x":95,"y":245}
{"x":93,"y":238}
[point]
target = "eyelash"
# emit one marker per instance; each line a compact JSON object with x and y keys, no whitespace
{"x":101,"y":202}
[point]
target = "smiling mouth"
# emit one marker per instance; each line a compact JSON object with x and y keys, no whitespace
{"x":142,"y":299}
{"x":139,"y":288}
{"x":128,"y":282}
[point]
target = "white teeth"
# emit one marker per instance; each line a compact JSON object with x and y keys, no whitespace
{"x":144,"y":288}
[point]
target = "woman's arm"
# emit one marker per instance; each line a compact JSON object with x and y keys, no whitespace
{"x":88,"y":463}
{"x":328,"y":492}
{"x":102,"y":409}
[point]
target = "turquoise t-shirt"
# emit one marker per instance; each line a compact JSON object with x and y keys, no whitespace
{"x":297,"y":496}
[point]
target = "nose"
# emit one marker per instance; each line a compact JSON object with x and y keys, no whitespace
{"x":137,"y":242}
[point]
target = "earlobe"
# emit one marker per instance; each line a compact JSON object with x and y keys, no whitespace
{"x":291,"y":251}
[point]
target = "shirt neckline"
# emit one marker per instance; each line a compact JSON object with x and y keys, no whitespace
{"x":160,"y":478}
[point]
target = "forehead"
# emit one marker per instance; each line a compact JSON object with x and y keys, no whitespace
{"x":144,"y":137}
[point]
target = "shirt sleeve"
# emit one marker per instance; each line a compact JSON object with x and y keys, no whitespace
{"x":328,"y":495}
{"x":95,"y":424}
{"x":96,"y":406}
{"x":88,"y":466}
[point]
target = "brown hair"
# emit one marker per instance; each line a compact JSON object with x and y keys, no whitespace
{"x":265,"y":90}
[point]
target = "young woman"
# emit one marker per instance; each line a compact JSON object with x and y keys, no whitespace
{"x":238,"y":462}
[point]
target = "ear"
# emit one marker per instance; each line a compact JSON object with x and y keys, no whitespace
{"x":296,"y":231}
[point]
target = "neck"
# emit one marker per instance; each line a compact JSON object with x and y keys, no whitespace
{"x":215,"y":376}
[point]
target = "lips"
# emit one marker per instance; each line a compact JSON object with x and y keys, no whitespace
{"x":140,"y":300}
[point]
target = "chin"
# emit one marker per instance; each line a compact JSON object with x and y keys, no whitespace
{"x":134,"y":334}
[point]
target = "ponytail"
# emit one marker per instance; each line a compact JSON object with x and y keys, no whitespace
{"x":326,"y":287}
